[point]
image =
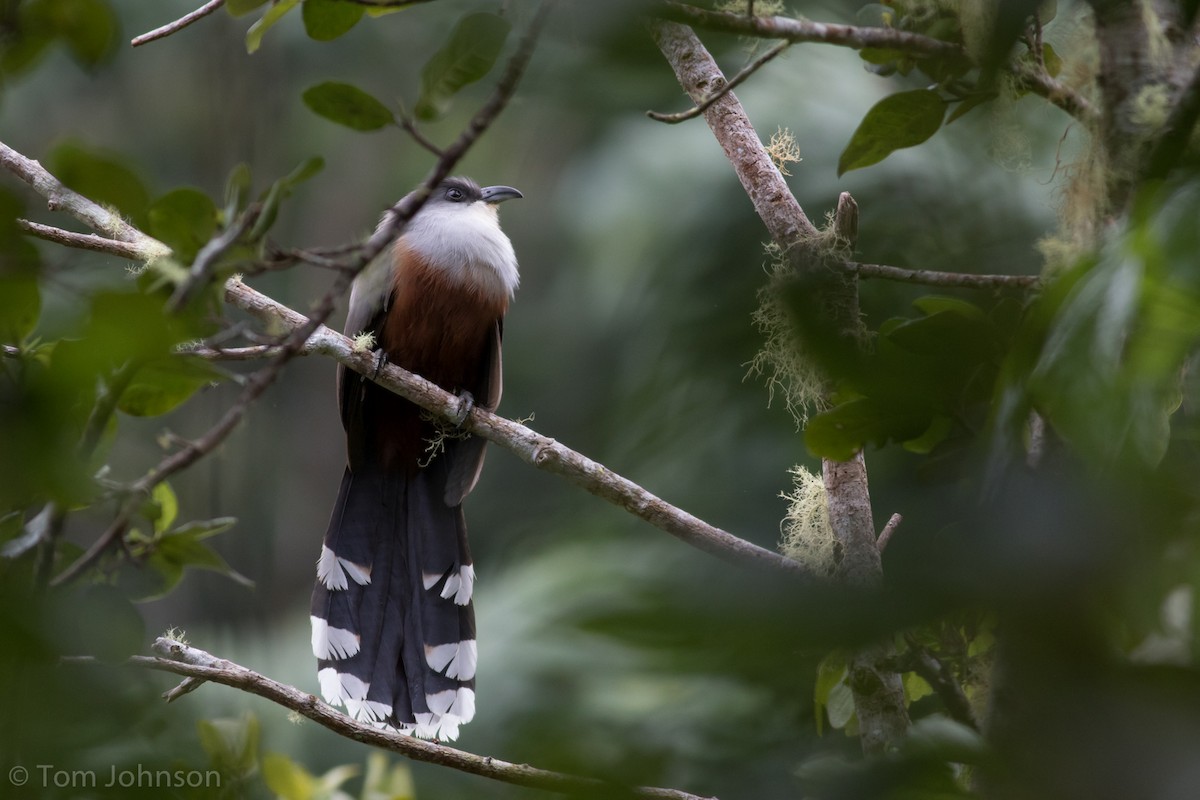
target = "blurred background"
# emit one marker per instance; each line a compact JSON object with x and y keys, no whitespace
{"x":629,"y":340}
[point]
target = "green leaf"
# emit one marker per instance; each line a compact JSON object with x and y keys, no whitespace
{"x":237,"y":8}
{"x":1052,"y":60}
{"x":101,"y":177}
{"x":180,"y":549}
{"x":845,"y":429}
{"x":830,"y":672}
{"x":474,"y":45}
{"x":164,"y":383}
{"x":237,"y":192}
{"x":347,"y":105}
{"x":287,"y":779}
{"x":279,"y":192}
{"x":939,"y":428}
{"x":970,"y":103}
{"x":183,"y":219}
{"x":901,"y":120}
{"x":326,"y":20}
{"x":167,"y":504}
{"x":273,"y":15}
{"x":915,"y":687}
{"x":231,"y":744}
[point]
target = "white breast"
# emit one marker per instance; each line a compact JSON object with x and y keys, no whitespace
{"x":466,"y":242}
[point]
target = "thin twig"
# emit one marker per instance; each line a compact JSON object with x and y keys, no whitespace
{"x":932,"y":278}
{"x":181,"y":659}
{"x":177,"y":25}
{"x":745,"y":73}
{"x":885,"y":535}
{"x":206,"y":258}
{"x":95,"y":216}
{"x":251,"y":353}
{"x":410,"y":127}
{"x":82,"y":241}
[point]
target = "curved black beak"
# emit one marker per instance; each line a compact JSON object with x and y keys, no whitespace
{"x":498,"y":194}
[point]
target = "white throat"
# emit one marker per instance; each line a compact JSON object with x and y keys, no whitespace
{"x":466,"y":243}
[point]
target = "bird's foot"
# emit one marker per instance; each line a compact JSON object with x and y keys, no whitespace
{"x":381,"y":360}
{"x":466,"y":403}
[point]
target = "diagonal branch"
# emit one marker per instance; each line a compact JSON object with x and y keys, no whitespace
{"x":526,"y":444}
{"x":180,"y":659}
{"x":177,"y":25}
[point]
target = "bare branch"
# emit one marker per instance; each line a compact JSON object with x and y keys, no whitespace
{"x":94,"y":215}
{"x":858,"y":38}
{"x":252,"y":353}
{"x":885,"y":535}
{"x":177,"y":25}
{"x":698,"y":73}
{"x":180,"y":659}
{"x":82,"y":241}
{"x":746,"y":72}
{"x":1054,"y":91}
{"x":932,"y":278}
{"x":800,"y":30}
{"x":527,"y":444}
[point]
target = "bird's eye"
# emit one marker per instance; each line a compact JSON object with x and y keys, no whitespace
{"x":455,"y":194}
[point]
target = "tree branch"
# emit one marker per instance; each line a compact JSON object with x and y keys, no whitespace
{"x":177,"y":25}
{"x":526,"y":444}
{"x":94,"y":215}
{"x":932,"y":278}
{"x":698,"y":74}
{"x":878,"y":693}
{"x":802,"y":30}
{"x":745,"y":73}
{"x":83,"y":241}
{"x":180,"y":659}
{"x":858,"y":38}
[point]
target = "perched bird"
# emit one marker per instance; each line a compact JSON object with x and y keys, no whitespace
{"x":393,"y":628}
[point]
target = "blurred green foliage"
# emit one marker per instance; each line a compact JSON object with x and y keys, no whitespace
{"x":1063,"y":596}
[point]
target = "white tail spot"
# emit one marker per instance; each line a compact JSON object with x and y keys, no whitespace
{"x":332,"y":571}
{"x":332,"y":643}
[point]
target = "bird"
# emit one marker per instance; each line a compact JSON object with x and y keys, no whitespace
{"x":393,"y":625}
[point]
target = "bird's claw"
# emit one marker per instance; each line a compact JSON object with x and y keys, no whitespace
{"x":381,"y":359}
{"x":466,"y":404}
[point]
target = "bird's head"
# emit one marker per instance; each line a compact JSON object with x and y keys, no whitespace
{"x":458,"y":230}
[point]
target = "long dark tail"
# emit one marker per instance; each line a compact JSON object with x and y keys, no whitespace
{"x":393,"y":628}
